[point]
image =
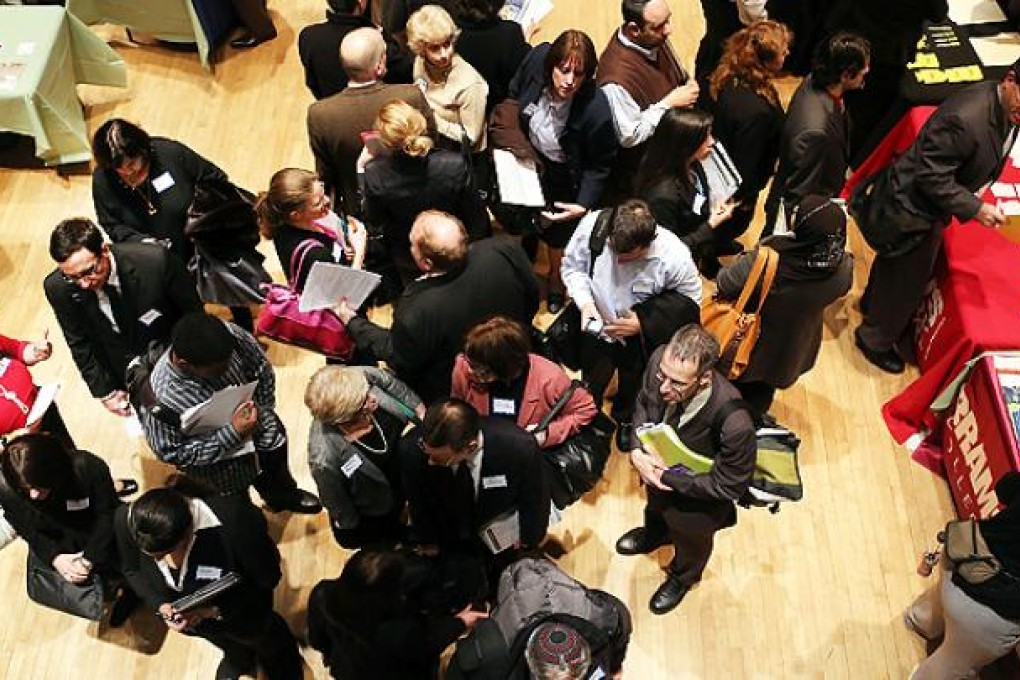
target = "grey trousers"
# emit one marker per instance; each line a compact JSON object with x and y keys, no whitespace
{"x":974,"y":635}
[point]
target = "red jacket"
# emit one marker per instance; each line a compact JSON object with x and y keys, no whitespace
{"x":15,"y":385}
{"x":546,"y":383}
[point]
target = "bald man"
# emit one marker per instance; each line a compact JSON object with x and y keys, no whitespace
{"x":335,"y":123}
{"x":460,"y":285}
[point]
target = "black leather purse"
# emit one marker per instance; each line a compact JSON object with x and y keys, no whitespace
{"x":47,"y":587}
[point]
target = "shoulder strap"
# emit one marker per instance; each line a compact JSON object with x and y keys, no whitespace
{"x":724,"y":412}
{"x":299,"y":254}
{"x":764,"y":270}
{"x":560,"y":404}
{"x":599,"y":236}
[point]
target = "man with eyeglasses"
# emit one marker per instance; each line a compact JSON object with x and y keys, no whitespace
{"x":111,"y":300}
{"x":682,"y":389}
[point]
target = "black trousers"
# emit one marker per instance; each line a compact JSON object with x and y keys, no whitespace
{"x":721,"y":21}
{"x":758,"y":395}
{"x":600,"y":359}
{"x":275,"y":483}
{"x":692,"y":531}
{"x":263,"y":638}
{"x":384,"y":531}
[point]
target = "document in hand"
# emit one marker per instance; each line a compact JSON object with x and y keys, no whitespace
{"x":207,"y":593}
{"x":216,"y":411}
{"x":327,"y":283}
{"x":663,"y":440}
{"x":526,"y":12}
{"x":44,"y":397}
{"x":502,"y":532}
{"x":518,"y":180}
{"x":723,"y":177}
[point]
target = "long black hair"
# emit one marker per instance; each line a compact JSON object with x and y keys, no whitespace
{"x":671,"y":149}
{"x":41,"y":461}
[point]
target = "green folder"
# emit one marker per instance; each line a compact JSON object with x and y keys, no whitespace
{"x":663,"y":440}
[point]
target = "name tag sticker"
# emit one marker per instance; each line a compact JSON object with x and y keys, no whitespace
{"x":76,"y":505}
{"x":698,"y":203}
{"x":642,"y":288}
{"x":597,"y":674}
{"x":494,"y":482}
{"x":351,"y":466}
{"x":150,"y":316}
{"x":163,"y":182}
{"x":208,"y":573}
{"x":503,"y":407}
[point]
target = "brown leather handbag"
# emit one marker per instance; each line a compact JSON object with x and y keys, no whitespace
{"x":733,"y":325}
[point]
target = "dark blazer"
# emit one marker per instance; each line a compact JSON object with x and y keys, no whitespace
{"x":79,"y":521}
{"x":589,"y":140}
{"x":512,"y":468}
{"x":335,"y":125}
{"x":734,"y":451}
{"x":151,"y":280}
{"x":495,"y":48}
{"x":748,"y":126}
{"x":958,"y":151}
{"x":812,"y":149}
{"x":319,"y":49}
{"x":672,"y":205}
{"x":433,"y":314}
{"x":241,"y":544}
{"x":791,"y":320}
{"x":286,"y":239}
{"x":124,"y":215}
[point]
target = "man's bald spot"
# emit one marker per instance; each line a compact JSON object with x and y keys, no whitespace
{"x":439,"y":230}
{"x":360,"y":51}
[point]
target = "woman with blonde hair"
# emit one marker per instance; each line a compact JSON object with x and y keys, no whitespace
{"x":295,"y":215}
{"x":456,"y":92}
{"x":748,"y":113}
{"x":402,"y":174}
{"x":359,"y":414}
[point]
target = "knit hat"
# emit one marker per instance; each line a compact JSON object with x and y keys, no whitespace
{"x":557,"y":651}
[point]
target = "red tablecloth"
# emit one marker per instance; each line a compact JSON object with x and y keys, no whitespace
{"x":972,"y":306}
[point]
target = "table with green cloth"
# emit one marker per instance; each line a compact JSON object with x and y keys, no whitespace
{"x":170,"y":20}
{"x":44,"y":53}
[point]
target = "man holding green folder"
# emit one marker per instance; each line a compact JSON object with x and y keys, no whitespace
{"x":688,"y":500}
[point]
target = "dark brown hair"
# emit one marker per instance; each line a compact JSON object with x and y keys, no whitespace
{"x":500,"y":345}
{"x":633,"y":227}
{"x":571,"y":45}
{"x":450,"y":422}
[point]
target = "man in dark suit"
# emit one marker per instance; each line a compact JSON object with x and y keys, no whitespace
{"x":335,"y":123}
{"x":961,"y":148}
{"x":166,"y":538}
{"x":682,"y":389}
{"x":461,"y":472}
{"x":813,"y":146}
{"x":111,"y":300}
{"x":319,"y":48}
{"x":459,"y":287}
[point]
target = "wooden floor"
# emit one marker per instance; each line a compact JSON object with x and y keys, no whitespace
{"x":815,"y":592}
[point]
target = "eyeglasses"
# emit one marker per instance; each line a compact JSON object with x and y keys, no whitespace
{"x":84,"y":273}
{"x":673,"y":385}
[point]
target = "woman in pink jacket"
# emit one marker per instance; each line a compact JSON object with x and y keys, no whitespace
{"x":498,"y":375}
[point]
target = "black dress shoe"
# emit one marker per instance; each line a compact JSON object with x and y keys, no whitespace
{"x":625,"y":437}
{"x":127,"y":487}
{"x":554,"y":302}
{"x":299,"y":501}
{"x":639,"y":541}
{"x":668,"y":596}
{"x":233,"y":669}
{"x":247,"y":40}
{"x":889,"y":361}
{"x":122,"y":608}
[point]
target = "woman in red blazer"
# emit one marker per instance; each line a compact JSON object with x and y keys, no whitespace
{"x":499,"y":377}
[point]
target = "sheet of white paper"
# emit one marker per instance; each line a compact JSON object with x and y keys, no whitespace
{"x":975,"y":12}
{"x":133,"y":427}
{"x":327,"y":283}
{"x":26,"y":48}
{"x":534,"y":12}
{"x":1003,"y":190}
{"x":44,"y":397}
{"x":1009,"y":207}
{"x":997,"y":50}
{"x":518,"y":180}
{"x":502,"y":532}
{"x":216,"y":411}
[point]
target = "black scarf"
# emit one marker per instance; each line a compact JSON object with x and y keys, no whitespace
{"x":815,"y":248}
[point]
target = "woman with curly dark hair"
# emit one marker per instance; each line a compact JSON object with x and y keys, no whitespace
{"x":748,"y":113}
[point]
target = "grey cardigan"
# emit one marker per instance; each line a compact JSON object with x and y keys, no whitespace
{"x":365,"y":491}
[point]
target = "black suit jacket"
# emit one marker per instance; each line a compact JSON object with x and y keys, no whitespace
{"x":512,"y":478}
{"x":433,"y":314}
{"x":155,"y":291}
{"x":240,"y":544}
{"x":958,"y":151}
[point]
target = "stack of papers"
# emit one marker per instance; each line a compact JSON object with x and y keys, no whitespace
{"x":518,"y":180}
{"x":723,"y":177}
{"x":663,"y":440}
{"x":329,"y":283}
{"x":216,"y":411}
{"x":526,"y":12}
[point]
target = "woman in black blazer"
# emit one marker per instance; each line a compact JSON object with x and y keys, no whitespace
{"x":569,"y":124}
{"x":171,"y":545}
{"x":748,"y":113}
{"x":403,"y":175}
{"x":673,"y":183}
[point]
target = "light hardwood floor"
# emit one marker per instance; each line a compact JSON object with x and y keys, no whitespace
{"x":814,"y":592}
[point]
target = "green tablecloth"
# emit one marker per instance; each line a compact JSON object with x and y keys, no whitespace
{"x":44,"y":53}
{"x":170,"y":20}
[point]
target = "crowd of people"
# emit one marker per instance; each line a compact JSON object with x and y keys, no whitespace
{"x":430,"y":447}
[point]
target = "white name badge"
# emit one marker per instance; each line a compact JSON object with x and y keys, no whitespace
{"x":150,"y":316}
{"x":494,"y":482}
{"x":76,"y":505}
{"x":597,"y":674}
{"x":208,"y":573}
{"x":698,"y":203}
{"x":163,"y":182}
{"x":530,"y":109}
{"x":643,"y":288}
{"x":503,"y":407}
{"x":351,"y":466}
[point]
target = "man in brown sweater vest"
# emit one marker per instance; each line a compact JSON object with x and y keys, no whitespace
{"x":335,"y":123}
{"x":642,"y":79}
